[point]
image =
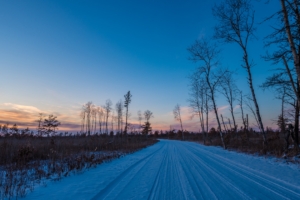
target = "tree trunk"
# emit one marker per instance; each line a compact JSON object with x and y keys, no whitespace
{"x":254,"y":97}
{"x":296,"y":129}
{"x":233,"y":119}
{"x":125,"y":130}
{"x":206,"y":107}
{"x":181,"y":127}
{"x":223,"y":123}
{"x":216,"y":113}
{"x":290,"y":39}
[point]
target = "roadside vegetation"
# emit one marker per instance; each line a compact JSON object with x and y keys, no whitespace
{"x":248,"y":141}
{"x":26,"y":160}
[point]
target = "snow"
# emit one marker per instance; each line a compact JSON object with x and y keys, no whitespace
{"x":180,"y":170}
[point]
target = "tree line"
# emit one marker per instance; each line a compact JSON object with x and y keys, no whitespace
{"x":97,"y":119}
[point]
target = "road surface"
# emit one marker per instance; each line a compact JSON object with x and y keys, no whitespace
{"x":180,"y":170}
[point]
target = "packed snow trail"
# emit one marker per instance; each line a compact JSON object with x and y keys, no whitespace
{"x":180,"y":170}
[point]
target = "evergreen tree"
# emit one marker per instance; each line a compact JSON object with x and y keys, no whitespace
{"x":146,"y":128}
{"x":50,"y":124}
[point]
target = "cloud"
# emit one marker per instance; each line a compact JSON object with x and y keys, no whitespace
{"x":236,"y":107}
{"x":26,"y":116}
{"x":223,"y":109}
{"x":23,"y":108}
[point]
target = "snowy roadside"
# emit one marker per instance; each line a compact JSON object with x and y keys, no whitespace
{"x":25,"y":171}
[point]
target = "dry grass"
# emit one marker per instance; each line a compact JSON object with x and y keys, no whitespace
{"x":27,"y":160}
{"x":247,"y":142}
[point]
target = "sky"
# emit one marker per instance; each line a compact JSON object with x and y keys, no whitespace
{"x":57,"y":55}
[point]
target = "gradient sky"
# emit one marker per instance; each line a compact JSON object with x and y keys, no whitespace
{"x":56,"y":55}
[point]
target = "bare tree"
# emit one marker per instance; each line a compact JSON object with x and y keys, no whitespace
{"x":197,"y":100}
{"x":127,"y":101}
{"x":286,"y":38}
{"x":113,"y":119}
{"x":240,"y":103}
{"x":148,"y":114}
{"x":291,"y":19}
{"x":229,"y":90}
{"x":119,"y":110}
{"x":86,"y":116}
{"x":94,"y":118}
{"x":225,"y":128}
{"x":286,"y":88}
{"x":207,"y":107}
{"x":236,"y":25}
{"x":251,"y":107}
{"x":207,"y":54}
{"x":177,"y":116}
{"x":82,"y":116}
{"x":100,"y":117}
{"x":140,"y":118}
{"x":107,"y":109}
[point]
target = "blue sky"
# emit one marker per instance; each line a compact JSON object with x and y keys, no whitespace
{"x":57,"y":55}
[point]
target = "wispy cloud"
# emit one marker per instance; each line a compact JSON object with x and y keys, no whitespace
{"x":23,"y":108}
{"x":27,"y":116}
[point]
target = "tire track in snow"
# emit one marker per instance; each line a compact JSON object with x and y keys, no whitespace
{"x":224,"y":186}
{"x":196,"y":178}
{"x":155,"y":185}
{"x":144,"y":177}
{"x":113,"y":184}
{"x":170,"y":180}
{"x":247,"y":174}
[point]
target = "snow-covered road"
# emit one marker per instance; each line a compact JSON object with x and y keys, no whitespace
{"x":180,"y":170}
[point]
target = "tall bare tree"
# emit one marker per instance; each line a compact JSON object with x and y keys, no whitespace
{"x":286,"y":89}
{"x":86,"y":116}
{"x":241,"y":104}
{"x":113,"y":119}
{"x":119,"y":110}
{"x":140,"y":118}
{"x":206,"y":53}
{"x":207,"y":107}
{"x":94,"y":119}
{"x":177,"y":116}
{"x":100,"y":117}
{"x":197,"y":99}
{"x":286,"y":37}
{"x":229,"y":90}
{"x":291,"y":19}
{"x":236,"y":25}
{"x":127,"y":101}
{"x":107,"y":109}
{"x":82,"y":116}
